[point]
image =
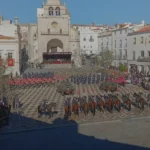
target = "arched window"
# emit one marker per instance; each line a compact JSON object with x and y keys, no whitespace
{"x":50,"y":11}
{"x":57,"y":10}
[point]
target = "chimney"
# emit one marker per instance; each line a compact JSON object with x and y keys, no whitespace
{"x":143,"y":22}
{"x":16,"y":20}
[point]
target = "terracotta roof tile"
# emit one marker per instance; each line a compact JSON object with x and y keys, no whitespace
{"x":145,"y":29}
{"x":3,"y":37}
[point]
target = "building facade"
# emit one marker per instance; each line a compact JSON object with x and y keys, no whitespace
{"x":116,"y":40}
{"x":105,"y":41}
{"x":120,"y":41}
{"x":139,"y":49}
{"x":52,"y":33}
{"x":10,"y":46}
{"x":88,"y":38}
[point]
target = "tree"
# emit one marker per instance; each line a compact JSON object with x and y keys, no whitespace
{"x":123,"y":68}
{"x":106,"y":59}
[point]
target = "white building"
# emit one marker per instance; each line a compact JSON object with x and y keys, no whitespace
{"x":10,"y":45}
{"x":139,"y":48}
{"x":120,"y":41}
{"x":105,"y":41}
{"x":116,"y":40}
{"x":89,"y":38}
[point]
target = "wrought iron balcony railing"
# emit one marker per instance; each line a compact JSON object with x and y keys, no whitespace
{"x":143,"y":59}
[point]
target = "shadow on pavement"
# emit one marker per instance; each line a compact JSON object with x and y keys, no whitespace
{"x":37,"y":135}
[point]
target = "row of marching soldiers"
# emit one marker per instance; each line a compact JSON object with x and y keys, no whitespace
{"x":88,"y":79}
{"x":92,"y":79}
{"x":5,"y":108}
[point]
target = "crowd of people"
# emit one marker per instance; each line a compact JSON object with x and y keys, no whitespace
{"x":5,"y":108}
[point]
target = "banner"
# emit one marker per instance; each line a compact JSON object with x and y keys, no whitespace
{"x":10,"y":62}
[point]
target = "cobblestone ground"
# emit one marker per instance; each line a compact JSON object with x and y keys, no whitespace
{"x":31,"y":97}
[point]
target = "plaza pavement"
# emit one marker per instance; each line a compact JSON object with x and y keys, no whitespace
{"x":127,"y":134}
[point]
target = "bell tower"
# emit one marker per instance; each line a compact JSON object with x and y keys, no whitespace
{"x":53,"y":27}
{"x":53,"y":2}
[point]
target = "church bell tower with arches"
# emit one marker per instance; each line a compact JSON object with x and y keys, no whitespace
{"x":53,"y":23}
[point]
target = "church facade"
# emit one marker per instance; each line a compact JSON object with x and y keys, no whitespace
{"x":52,"y":34}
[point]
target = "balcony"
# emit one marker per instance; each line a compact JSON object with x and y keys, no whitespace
{"x":63,"y":33}
{"x":143,"y":59}
{"x":118,"y":57}
{"x":124,"y":57}
{"x":91,"y":40}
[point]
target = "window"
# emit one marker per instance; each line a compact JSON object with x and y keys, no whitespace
{"x":60,"y":31}
{"x":91,"y":46}
{"x":34,"y":35}
{"x":142,"y":53}
{"x":0,"y":55}
{"x":134,"y":40}
{"x":57,"y":10}
{"x":142,"y":40}
{"x":120,"y":31}
{"x":125,"y":42}
{"x":10,"y":55}
{"x":84,"y":39}
{"x":120,"y":54}
{"x":115,"y":43}
{"x":84,"y":46}
{"x":91,"y":39}
{"x":120,"y":43}
{"x":50,"y":11}
{"x":149,"y":39}
{"x":133,"y":55}
{"x":148,"y":53}
{"x":107,"y":43}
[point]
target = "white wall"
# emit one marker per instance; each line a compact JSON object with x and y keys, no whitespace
{"x":138,"y":47}
{"x":105,"y":43}
{"x":8,"y":29}
{"x":120,"y":37}
{"x":10,"y":47}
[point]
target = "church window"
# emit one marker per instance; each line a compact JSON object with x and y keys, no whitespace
{"x":57,"y":10}
{"x":50,"y":11}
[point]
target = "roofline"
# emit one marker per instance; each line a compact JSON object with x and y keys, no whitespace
{"x":136,"y":33}
{"x":104,"y":35}
{"x":120,"y":29}
{"x":26,"y":24}
{"x":87,"y":25}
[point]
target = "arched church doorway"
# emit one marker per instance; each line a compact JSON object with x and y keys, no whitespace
{"x":54,"y":46}
{"x":55,"y":53}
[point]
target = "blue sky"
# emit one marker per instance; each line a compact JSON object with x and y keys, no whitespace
{"x":83,"y":11}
